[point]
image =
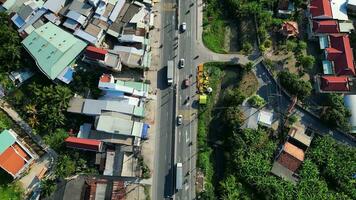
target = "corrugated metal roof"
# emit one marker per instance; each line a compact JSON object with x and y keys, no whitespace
{"x":6,"y":140}
{"x":115,"y":125}
{"x":53,"y":48}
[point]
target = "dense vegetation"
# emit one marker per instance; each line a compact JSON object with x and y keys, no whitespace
{"x":205,"y":151}
{"x":326,"y":173}
{"x":335,"y":114}
{"x":294,"y":85}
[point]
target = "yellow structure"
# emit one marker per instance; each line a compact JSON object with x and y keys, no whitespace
{"x":203,"y":99}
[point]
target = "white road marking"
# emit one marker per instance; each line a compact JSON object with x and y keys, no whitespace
{"x":179,"y":136}
{"x":186,"y":137}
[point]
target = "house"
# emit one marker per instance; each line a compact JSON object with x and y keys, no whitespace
{"x":297,"y":136}
{"x":85,"y":131}
{"x":15,"y":157}
{"x":116,"y":123}
{"x":120,"y":161}
{"x":285,"y":8}
{"x":26,"y":11}
{"x":290,"y":29}
{"x":351,"y":7}
{"x":131,"y":56}
{"x":105,"y":58}
{"x":136,"y":89}
{"x":328,"y":9}
{"x":85,"y":187}
{"x":92,"y":34}
{"x":11,"y":6}
{"x":54,"y":6}
{"x":19,"y":77}
{"x":93,"y":107}
{"x":320,"y":9}
{"x":84,"y":144}
{"x":288,"y":162}
{"x":335,"y":83}
{"x":265,"y":118}
{"x":322,"y":28}
{"x":78,"y":14}
{"x":132,"y":40}
{"x":339,"y":54}
{"x":126,"y":13}
{"x":350,"y":103}
{"x":54,"y":51}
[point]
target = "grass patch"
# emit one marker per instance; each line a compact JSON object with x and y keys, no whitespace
{"x":214,"y":27}
{"x":205,"y":151}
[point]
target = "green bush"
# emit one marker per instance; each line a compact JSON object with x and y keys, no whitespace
{"x":256,"y":101}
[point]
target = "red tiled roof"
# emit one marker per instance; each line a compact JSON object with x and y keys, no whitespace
{"x":334,"y":83}
{"x":320,"y":8}
{"x":289,"y":161}
{"x":105,"y":78}
{"x":82,"y":143}
{"x":325,"y":26}
{"x":290,"y":28}
{"x":11,"y":161}
{"x":340,"y":52}
{"x":95,"y":53}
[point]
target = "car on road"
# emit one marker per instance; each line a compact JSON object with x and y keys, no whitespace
{"x":181,"y":63}
{"x":183,"y":27}
{"x":179,"y":119}
{"x":186,"y":83}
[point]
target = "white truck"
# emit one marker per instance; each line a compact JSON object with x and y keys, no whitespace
{"x":179,"y":176}
{"x":170,"y":74}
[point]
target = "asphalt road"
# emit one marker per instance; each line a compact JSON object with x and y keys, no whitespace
{"x":163,"y":180}
{"x":186,"y":133}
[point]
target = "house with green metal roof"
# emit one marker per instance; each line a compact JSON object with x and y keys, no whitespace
{"x":54,"y":50}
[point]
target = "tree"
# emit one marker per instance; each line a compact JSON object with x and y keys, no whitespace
{"x":294,"y":85}
{"x":335,"y":114}
{"x":307,"y":61}
{"x":301,"y":46}
{"x":233,"y":189}
{"x":65,"y":166}
{"x":10,"y":45}
{"x":48,"y":186}
{"x":233,"y":97}
{"x":56,"y":139}
{"x":256,"y":101}
{"x":248,"y":67}
{"x":291,"y":45}
{"x":247,"y":48}
{"x":233,"y":117}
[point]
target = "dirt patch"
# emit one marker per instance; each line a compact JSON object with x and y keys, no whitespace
{"x":248,"y":84}
{"x":284,"y":60}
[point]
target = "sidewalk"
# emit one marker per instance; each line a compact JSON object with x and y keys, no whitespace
{"x":148,"y":146}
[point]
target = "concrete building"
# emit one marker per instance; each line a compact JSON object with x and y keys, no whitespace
{"x":116,"y":123}
{"x":92,"y":107}
{"x":135,"y":89}
{"x":103,"y":57}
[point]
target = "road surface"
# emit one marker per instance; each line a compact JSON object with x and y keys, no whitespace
{"x":163,"y":176}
